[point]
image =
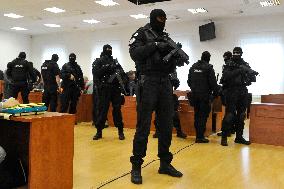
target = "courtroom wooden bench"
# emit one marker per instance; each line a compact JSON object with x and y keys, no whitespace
{"x":267,"y":123}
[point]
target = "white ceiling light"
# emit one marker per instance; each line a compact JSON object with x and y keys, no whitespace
{"x":52,"y":25}
{"x":12,"y":15}
{"x":54,"y":10}
{"x":269,"y":3}
{"x":107,"y":3}
{"x":92,"y":21}
{"x":139,"y":16}
{"x":198,"y":10}
{"x":19,"y":28}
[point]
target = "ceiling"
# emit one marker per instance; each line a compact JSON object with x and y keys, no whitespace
{"x":118,"y":16}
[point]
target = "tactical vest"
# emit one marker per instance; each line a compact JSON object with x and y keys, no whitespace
{"x":154,"y":64}
{"x":199,"y":78}
{"x":48,"y":76}
{"x":237,"y":81}
{"x":19,"y":73}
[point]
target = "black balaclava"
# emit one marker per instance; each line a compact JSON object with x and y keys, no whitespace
{"x":155,"y":24}
{"x":227,"y":56}
{"x":107,"y":50}
{"x":22,"y":55}
{"x":72,"y":58}
{"x":237,"y":53}
{"x":205,"y":56}
{"x":55,"y":57}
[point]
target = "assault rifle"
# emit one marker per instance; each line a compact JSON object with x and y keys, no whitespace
{"x":176,"y":49}
{"x":119,"y":75}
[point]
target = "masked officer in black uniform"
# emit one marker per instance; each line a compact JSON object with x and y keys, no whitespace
{"x":109,"y":91}
{"x":50,"y":74}
{"x":203,"y":85}
{"x":176,"y":121}
{"x":154,"y":93}
{"x":235,"y":79}
{"x":72,"y":84}
{"x":19,"y":71}
{"x":227,"y":56}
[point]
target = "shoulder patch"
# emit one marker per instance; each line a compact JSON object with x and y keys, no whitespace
{"x":132,"y":40}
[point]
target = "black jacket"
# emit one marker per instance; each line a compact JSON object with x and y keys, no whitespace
{"x":19,"y":71}
{"x":74,"y":69}
{"x":234,"y":74}
{"x":49,"y":71}
{"x":201,"y":79}
{"x":103,"y":69}
{"x":146,"y":55}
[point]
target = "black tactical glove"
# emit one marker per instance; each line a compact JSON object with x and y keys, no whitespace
{"x":175,"y":83}
{"x":162,"y":46}
{"x":179,"y":45}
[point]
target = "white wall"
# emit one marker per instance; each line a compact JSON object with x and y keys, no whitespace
{"x":10,"y":46}
{"x":229,"y":32}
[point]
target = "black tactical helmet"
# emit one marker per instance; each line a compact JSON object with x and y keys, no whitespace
{"x":206,"y":56}
{"x":227,"y":54}
{"x":158,"y":24}
{"x":54,"y":57}
{"x":237,"y":50}
{"x":22,"y":55}
{"x":107,"y":50}
{"x":105,"y":47}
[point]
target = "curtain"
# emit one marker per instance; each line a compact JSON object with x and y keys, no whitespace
{"x":265,"y":54}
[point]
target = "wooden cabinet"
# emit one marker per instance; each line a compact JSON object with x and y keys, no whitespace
{"x":45,"y":144}
{"x":267,"y":124}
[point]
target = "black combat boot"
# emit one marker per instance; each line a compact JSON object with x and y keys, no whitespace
{"x":136,"y":177}
{"x":121,"y":134}
{"x":168,"y":169}
{"x":181,"y":134}
{"x":241,"y":140}
{"x":98,"y":135}
{"x":201,"y":140}
{"x":224,"y":141}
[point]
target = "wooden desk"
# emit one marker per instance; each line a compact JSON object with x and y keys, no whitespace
{"x":45,"y":144}
{"x":273,"y":98}
{"x":186,"y":114}
{"x":129,"y":114}
{"x":181,"y":93}
{"x":84,"y":106}
{"x":267,"y":124}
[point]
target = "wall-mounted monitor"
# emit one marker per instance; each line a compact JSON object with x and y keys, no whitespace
{"x":207,"y":31}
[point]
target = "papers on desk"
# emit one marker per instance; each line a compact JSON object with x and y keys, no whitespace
{"x":182,"y":98}
{"x":5,"y":116}
{"x":8,"y":116}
